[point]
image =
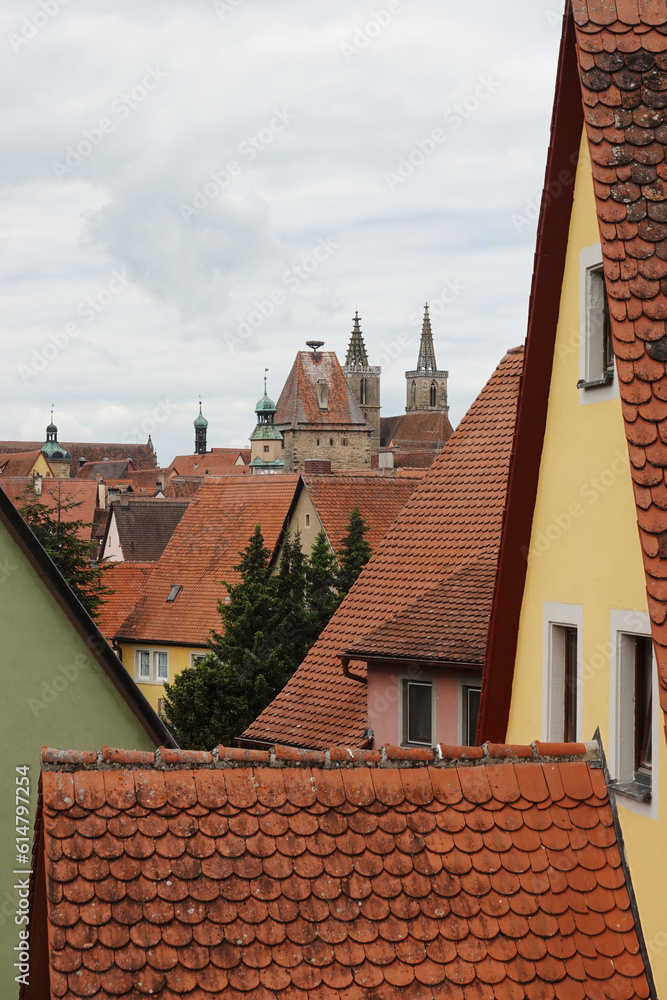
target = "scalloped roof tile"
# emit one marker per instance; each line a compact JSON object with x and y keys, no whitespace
{"x":333,"y":875}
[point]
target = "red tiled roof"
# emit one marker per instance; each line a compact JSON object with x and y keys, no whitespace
{"x":200,"y":465}
{"x":145,"y":526}
{"x":380,"y":499}
{"x":19,"y":464}
{"x":119,"y":469}
{"x":298,"y":405}
{"x":453,"y":519}
{"x":447,"y":624}
{"x":128,"y":581}
{"x":181,"y":488}
{"x":416,"y":431}
{"x":201,"y":552}
{"x":142,"y":455}
{"x":68,"y":490}
{"x":469,"y":873}
{"x":620,"y":50}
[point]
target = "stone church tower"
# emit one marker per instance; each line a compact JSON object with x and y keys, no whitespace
{"x":426,"y":387}
{"x":364,"y":381}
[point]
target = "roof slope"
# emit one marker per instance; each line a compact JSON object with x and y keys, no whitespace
{"x":200,"y":554}
{"x":452,"y":519}
{"x":621,"y":50}
{"x":55,"y":491}
{"x":416,"y":431}
{"x":219,"y":459}
{"x":20,"y":463}
{"x":298,"y":405}
{"x":142,"y":455}
{"x":375,"y":876}
{"x":128,"y":582}
{"x":380,"y":499}
{"x":145,"y":526}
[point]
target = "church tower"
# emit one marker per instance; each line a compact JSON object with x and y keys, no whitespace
{"x":266,"y":441}
{"x":201,"y":426}
{"x":58,"y":457}
{"x":426,"y":387}
{"x":364,"y":381}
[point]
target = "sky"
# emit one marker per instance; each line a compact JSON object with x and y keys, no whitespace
{"x":191,"y":191}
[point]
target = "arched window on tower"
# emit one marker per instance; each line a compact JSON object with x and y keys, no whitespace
{"x":362,"y":391}
{"x":434,"y":390}
{"x":414,"y":395}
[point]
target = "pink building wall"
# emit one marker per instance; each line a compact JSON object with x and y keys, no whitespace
{"x":383,"y":695}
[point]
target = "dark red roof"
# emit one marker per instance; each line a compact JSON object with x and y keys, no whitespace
{"x":142,"y":455}
{"x":217,"y":460}
{"x":416,"y":431}
{"x":452,"y":520}
{"x":380,"y":500}
{"x":298,"y":405}
{"x":462,"y":873}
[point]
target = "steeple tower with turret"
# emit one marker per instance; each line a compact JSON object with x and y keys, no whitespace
{"x":201,"y":427}
{"x":364,"y":380}
{"x":426,"y":386}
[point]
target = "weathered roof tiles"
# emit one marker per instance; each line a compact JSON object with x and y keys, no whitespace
{"x":471,"y":874}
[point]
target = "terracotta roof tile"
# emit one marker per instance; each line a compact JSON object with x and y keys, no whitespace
{"x":380,"y":502}
{"x":298,"y":404}
{"x":628,"y":75}
{"x":68,"y":490}
{"x":18,"y":465}
{"x":128,"y":582}
{"x":214,"y":462}
{"x":200,"y":911}
{"x":141,"y":455}
{"x":452,"y":520}
{"x":416,"y":432}
{"x":201,"y":552}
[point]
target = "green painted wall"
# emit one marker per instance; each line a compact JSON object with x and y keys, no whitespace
{"x":54,"y":693}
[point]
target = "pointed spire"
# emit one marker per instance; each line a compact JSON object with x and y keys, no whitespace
{"x":356,"y":352}
{"x":426,"y":362}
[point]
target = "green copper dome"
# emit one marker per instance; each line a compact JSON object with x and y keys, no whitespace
{"x":201,"y":420}
{"x":265,"y":405}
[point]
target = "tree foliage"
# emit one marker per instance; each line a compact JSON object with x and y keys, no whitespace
{"x":269,"y":621}
{"x":74,"y":557}
{"x":354,"y":551}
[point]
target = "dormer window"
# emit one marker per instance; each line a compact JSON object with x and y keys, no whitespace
{"x":174,"y":592}
{"x":322,"y":394}
{"x":596,"y":349}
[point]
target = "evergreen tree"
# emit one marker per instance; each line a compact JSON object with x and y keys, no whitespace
{"x":322,"y":595}
{"x":205,"y":706}
{"x":60,"y":539}
{"x":354,"y":551}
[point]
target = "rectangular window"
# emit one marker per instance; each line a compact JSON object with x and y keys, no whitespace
{"x":151,"y":666}
{"x":418,"y":712}
{"x":569,"y":685}
{"x":307,"y":519}
{"x":596,"y":349}
{"x":563,"y":706}
{"x":196,"y":658}
{"x":631,"y":749}
{"x":470,"y":698}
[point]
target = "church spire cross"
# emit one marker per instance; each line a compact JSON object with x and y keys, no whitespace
{"x":356,"y":352}
{"x":426,"y":362}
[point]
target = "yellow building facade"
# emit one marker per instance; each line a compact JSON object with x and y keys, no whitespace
{"x":585,"y":581}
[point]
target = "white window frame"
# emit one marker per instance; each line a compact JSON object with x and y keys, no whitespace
{"x":623,"y":625}
{"x":404,"y":679}
{"x":465,"y":682}
{"x":590,"y":331}
{"x":556,"y":615}
{"x":153,"y":677}
{"x":195,"y":657}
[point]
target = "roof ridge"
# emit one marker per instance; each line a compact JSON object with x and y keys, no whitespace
{"x":334,"y":758}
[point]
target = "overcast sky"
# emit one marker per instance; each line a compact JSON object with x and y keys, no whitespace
{"x":190,"y":191}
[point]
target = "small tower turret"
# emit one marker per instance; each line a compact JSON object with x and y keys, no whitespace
{"x":58,"y":457}
{"x":266,"y":441}
{"x":201,"y":427}
{"x":426,"y":387}
{"x":364,"y":380}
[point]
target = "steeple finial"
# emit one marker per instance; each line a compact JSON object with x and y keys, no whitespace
{"x":265,"y":371}
{"x":356,"y":352}
{"x":426,"y":362}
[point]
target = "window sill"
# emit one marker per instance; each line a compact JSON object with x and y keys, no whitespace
{"x":605,"y":379}
{"x":632,"y":789}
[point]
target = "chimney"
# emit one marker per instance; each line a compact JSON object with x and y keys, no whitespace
{"x":101,"y":492}
{"x":317,"y":467}
{"x":37,"y":482}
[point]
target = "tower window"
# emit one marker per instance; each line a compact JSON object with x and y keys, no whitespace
{"x":414,"y":395}
{"x":266,"y":448}
{"x":322,"y":395}
{"x":362,"y":392}
{"x":433,"y":394}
